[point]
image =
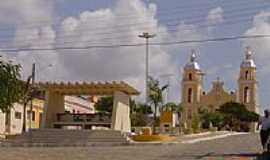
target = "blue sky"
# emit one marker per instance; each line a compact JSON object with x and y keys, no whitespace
{"x":171,"y":20}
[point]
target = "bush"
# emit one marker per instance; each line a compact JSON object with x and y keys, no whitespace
{"x":139,"y":119}
{"x":195,"y":125}
{"x":188,"y":131}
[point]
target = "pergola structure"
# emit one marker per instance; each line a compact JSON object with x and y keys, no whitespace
{"x":121,"y":91}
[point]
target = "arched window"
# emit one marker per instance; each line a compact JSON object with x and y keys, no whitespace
{"x":246,"y":95}
{"x":190,"y":76}
{"x":246,"y":75}
{"x":189,"y":98}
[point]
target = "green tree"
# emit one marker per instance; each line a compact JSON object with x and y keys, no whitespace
{"x":155,"y":96}
{"x":235,"y":114}
{"x":171,"y":106}
{"x":11,"y":87}
{"x":143,"y":108}
{"x":140,"y":115}
{"x":195,"y":123}
{"x":207,"y":117}
{"x":104,"y":104}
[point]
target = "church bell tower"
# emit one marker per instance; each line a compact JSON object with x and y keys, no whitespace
{"x":191,"y":88}
{"x":247,"y":83}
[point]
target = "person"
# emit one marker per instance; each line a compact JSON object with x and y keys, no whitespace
{"x":264,"y":122}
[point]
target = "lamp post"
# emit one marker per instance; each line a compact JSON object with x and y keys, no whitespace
{"x":146,"y":36}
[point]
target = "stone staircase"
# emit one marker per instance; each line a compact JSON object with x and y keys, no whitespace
{"x":65,"y":138}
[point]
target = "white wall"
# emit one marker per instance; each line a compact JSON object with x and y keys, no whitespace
{"x":78,"y":104}
{"x":16,"y":124}
{"x":2,"y":123}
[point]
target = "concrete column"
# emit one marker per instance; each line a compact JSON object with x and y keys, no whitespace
{"x":120,"y":116}
{"x":54,"y":103}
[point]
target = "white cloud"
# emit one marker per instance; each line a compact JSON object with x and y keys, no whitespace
{"x":116,"y":63}
{"x":215,"y":16}
{"x":260,"y":46}
{"x":261,"y":26}
{"x":22,"y":11}
{"x":94,"y":27}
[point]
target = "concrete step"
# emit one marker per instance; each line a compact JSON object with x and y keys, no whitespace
{"x":67,"y":133}
{"x":60,"y":137}
{"x":64,"y":144}
{"x":72,"y":134}
{"x":68,"y":137}
{"x":72,"y":140}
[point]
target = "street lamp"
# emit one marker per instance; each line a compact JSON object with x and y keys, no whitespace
{"x":146,"y":36}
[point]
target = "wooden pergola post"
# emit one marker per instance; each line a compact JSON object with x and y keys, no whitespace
{"x":121,"y":112}
{"x":54,"y":104}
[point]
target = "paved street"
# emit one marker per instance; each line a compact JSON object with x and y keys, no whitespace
{"x":235,"y":147}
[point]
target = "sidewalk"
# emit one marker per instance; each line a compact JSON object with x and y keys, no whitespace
{"x":207,"y":136}
{"x":192,"y":138}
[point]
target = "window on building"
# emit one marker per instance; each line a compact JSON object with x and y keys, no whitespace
{"x":190,"y":76}
{"x":40,"y":119}
{"x":18,"y":115}
{"x":33,"y":115}
{"x":189,"y":98}
{"x":246,"y":95}
{"x":246,"y":75}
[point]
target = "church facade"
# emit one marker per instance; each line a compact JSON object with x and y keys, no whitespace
{"x":194,"y":97}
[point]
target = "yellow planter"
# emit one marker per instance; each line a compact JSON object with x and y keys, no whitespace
{"x":147,"y":138}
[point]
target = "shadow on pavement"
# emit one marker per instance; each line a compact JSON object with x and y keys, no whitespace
{"x":264,"y":156}
{"x":240,"y":156}
{"x":214,"y":156}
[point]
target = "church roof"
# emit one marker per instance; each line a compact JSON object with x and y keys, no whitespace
{"x":248,"y":61}
{"x":192,"y":64}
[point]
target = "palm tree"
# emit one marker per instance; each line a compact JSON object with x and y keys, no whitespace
{"x":155,"y":96}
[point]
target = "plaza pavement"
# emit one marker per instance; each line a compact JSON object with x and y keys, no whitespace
{"x":236,"y":147}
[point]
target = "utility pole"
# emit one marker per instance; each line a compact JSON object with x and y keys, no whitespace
{"x":146,"y":36}
{"x":31,"y":103}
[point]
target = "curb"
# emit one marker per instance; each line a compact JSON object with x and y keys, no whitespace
{"x":212,"y":137}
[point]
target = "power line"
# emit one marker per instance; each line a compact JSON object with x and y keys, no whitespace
{"x":138,"y":44}
{"x":237,"y":18}
{"x":126,"y":37}
{"x":188,"y":18}
{"x":196,"y":7}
